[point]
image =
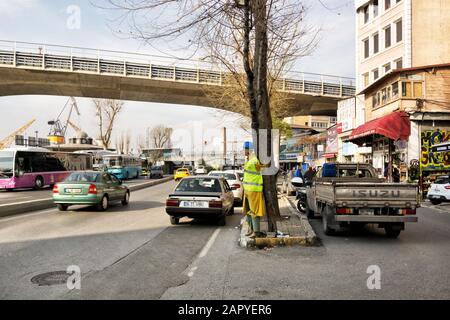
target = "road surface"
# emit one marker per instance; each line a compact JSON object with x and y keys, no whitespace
{"x":134,"y":253}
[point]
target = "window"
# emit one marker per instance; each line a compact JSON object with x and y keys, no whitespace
{"x":399,"y":30}
{"x":387,"y":37}
{"x":376,"y":43}
{"x":366,"y":79}
{"x":406,"y":89}
{"x":395,"y":90}
{"x":375,"y":8}
{"x":387,"y":4}
{"x":366,"y":14}
{"x":387,"y":67}
{"x":375,"y":74}
{"x":366,"y":48}
{"x":417,"y":86}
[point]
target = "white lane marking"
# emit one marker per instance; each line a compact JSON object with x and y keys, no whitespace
{"x":209,"y":244}
{"x":191,"y":272}
{"x":204,"y":251}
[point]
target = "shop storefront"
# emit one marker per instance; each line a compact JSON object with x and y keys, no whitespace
{"x":387,"y":136}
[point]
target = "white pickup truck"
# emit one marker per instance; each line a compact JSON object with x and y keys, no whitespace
{"x":351,"y":195}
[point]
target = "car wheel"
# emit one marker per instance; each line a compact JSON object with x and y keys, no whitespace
{"x":231,"y":211}
{"x":391,"y":232}
{"x":39,"y":183}
{"x":62,"y":207}
{"x":222,"y":220}
{"x":126,"y":199}
{"x":435,"y":202}
{"x":174,"y":220}
{"x":103,"y":205}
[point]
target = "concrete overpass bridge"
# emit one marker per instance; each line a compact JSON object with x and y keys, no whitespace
{"x":39,"y":69}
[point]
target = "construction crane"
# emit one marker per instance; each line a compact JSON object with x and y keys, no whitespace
{"x":74,"y":127}
{"x":4,"y":143}
{"x":58,"y":130}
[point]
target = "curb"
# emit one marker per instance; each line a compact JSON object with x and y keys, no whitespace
{"x":310,"y":234}
{"x":11,"y":209}
{"x":309,"y":239}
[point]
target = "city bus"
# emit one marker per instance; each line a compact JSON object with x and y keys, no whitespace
{"x":97,"y":158}
{"x":123,"y":166}
{"x":35,"y":167}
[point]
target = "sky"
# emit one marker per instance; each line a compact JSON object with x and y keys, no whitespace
{"x":52,"y":22}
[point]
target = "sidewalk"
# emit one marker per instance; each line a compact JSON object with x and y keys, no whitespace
{"x":292,"y":229}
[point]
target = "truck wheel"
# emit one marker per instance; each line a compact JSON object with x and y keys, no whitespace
{"x":392,"y":233}
{"x":326,"y":228}
{"x":174,"y":220}
{"x":309,"y":212}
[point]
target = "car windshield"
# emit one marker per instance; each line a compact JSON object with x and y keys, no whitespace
{"x":83,"y":177}
{"x":156,"y":168}
{"x":182,"y":170}
{"x":199,"y":185}
{"x":442,"y":180}
{"x":225,"y":175}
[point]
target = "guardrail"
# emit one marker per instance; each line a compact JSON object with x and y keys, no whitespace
{"x":72,"y":59}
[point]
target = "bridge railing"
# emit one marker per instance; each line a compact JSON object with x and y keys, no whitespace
{"x":74,"y":59}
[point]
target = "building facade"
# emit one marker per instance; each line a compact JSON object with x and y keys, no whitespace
{"x":396,"y":34}
{"x":318,"y":123}
{"x":423,"y":94}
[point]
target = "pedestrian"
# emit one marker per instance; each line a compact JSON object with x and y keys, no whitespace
{"x":396,"y":174}
{"x":309,"y":175}
{"x":253,"y":205}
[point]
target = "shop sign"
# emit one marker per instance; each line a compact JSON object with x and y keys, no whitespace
{"x":430,"y":160}
{"x":346,"y":114}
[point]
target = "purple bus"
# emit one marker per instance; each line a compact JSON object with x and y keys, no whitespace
{"x":29,"y":167}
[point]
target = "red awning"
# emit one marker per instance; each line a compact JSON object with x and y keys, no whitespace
{"x":395,"y":126}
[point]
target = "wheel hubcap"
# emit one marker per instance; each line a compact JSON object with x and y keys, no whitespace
{"x":105,"y":203}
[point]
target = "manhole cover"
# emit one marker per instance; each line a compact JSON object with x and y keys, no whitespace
{"x":51,"y":278}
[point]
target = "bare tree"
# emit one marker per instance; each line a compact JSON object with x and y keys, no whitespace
{"x":123,"y":143}
{"x":106,"y":112}
{"x":140,"y":143}
{"x":161,"y":137}
{"x":254,"y":40}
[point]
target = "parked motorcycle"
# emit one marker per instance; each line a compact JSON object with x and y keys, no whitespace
{"x":300,"y":191}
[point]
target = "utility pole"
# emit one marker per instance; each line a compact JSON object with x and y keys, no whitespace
{"x":224,"y":146}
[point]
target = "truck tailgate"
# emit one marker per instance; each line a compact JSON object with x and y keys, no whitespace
{"x":399,"y":195}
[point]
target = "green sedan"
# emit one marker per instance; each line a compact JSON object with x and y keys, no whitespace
{"x":90,"y":188}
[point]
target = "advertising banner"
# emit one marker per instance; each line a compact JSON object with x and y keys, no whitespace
{"x":429,"y":160}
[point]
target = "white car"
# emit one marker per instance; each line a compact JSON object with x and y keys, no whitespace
{"x":200,"y":170}
{"x":439,"y":190}
{"x":234,"y":179}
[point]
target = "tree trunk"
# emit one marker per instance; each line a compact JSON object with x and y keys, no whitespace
{"x":263,"y":108}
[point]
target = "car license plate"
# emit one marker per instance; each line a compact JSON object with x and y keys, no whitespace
{"x":194,"y":204}
{"x":73,"y":190}
{"x":366,"y":212}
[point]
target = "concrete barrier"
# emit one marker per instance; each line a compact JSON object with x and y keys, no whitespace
{"x":10,"y":209}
